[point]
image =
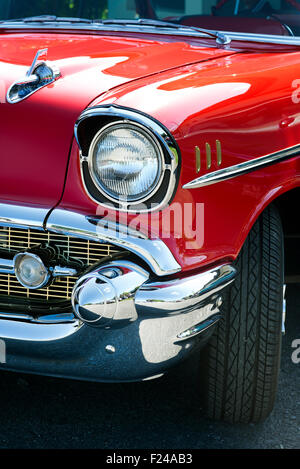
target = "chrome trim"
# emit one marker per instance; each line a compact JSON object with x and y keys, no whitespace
{"x":199,"y":328}
{"x":32,"y":331}
{"x":152,"y":341}
{"x":233,"y":36}
{"x":243,"y":168}
{"x":34,"y":63}
{"x":55,"y":318}
{"x":149,"y":125}
{"x":264,"y":38}
{"x":32,"y":77}
{"x":184,"y":294}
{"x":7,"y":266}
{"x":153,"y":251}
{"x":100,"y":299}
{"x":223,"y":39}
{"x":19,"y":216}
{"x":59,"y":271}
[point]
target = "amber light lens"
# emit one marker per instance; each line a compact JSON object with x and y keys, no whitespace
{"x":126,"y":162}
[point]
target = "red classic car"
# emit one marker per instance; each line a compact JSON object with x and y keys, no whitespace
{"x":150,"y":178}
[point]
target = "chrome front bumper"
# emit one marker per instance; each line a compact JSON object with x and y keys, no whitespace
{"x":165,"y":321}
{"x":146,"y":322}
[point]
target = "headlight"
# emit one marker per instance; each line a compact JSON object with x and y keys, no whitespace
{"x":126,"y":162}
{"x":129,"y":161}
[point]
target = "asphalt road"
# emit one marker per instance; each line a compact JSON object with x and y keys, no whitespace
{"x":39,"y":412}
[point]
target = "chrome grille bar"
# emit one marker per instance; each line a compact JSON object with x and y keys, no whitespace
{"x":6,"y":266}
{"x":14,"y":240}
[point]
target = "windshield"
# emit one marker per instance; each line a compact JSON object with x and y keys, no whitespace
{"x":279,"y":17}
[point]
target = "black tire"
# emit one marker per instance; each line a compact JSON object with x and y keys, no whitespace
{"x":242,"y":359}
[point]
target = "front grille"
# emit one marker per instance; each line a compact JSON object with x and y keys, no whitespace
{"x":14,"y":240}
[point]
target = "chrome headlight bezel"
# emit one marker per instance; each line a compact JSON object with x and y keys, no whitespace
{"x":93,"y":121}
{"x":161,"y":163}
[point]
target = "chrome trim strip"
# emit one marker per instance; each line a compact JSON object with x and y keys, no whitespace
{"x":55,"y":318}
{"x":199,"y":328}
{"x":59,"y":271}
{"x":153,"y":251}
{"x":264,"y":38}
{"x":37,"y":332}
{"x":182,"y":295}
{"x":234,"y":36}
{"x":20,"y":216}
{"x":243,"y":168}
{"x":7,"y":266}
{"x":150,"y":125}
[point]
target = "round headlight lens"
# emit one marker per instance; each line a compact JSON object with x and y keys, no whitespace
{"x":125,"y":162}
{"x":30,"y":270}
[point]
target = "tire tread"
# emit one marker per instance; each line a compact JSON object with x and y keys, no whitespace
{"x":243,"y":357}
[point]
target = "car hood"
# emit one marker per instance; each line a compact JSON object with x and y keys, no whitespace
{"x":36,"y":133}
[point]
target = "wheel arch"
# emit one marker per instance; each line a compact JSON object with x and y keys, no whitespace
{"x":287,"y":204}
{"x":286,"y":199}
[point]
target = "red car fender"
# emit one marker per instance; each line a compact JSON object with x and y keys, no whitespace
{"x":246,"y":103}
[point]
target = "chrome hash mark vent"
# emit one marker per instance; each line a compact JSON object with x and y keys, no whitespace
{"x":14,"y":240}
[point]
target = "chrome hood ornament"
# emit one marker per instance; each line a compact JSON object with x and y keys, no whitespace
{"x":37,"y":76}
